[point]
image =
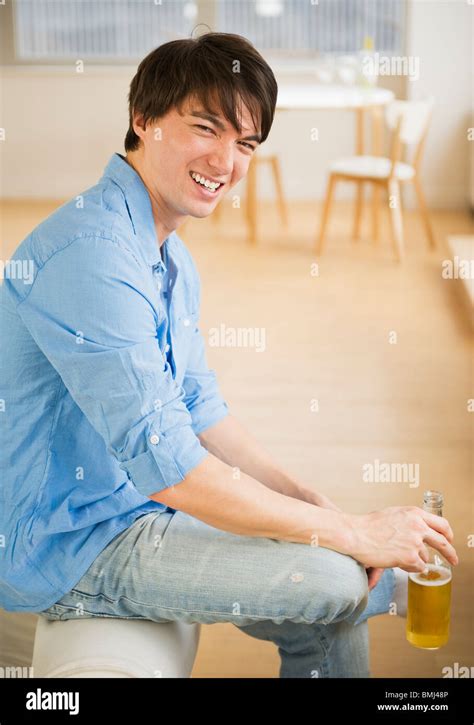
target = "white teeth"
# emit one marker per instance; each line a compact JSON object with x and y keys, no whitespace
{"x":205,"y":182}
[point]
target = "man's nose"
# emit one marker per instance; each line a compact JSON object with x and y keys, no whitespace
{"x":221,"y":161}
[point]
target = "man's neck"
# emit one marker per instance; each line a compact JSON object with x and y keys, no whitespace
{"x":162,"y":233}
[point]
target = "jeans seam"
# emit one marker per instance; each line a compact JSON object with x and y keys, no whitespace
{"x":230,"y":615}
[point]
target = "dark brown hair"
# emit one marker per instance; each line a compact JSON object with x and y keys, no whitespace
{"x":205,"y":68}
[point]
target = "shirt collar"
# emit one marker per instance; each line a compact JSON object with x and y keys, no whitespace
{"x":139,"y":207}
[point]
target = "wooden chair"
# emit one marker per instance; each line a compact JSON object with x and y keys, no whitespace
{"x":408,"y":122}
{"x":252,"y":193}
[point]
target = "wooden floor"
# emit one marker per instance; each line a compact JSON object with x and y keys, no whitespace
{"x":328,"y":338}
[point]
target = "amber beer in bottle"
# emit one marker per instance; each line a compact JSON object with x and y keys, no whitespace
{"x":429,"y":592}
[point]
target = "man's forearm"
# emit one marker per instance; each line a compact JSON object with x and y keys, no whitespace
{"x":229,"y":441}
{"x":246,"y":507}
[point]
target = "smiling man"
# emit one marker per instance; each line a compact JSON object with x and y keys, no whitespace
{"x":127,"y":487}
{"x":201,"y":152}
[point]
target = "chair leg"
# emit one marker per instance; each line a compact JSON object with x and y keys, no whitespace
{"x":279,"y":189}
{"x":325,"y":217}
{"x":375,"y":212}
{"x":396,"y":221}
{"x":377,"y":145}
{"x":358,"y":210}
{"x":252,"y":201}
{"x":424,"y":212}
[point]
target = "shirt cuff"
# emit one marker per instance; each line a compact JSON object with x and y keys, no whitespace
{"x":167,"y":460}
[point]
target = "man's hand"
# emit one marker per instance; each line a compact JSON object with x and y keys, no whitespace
{"x":399,"y":536}
{"x":373,"y":573}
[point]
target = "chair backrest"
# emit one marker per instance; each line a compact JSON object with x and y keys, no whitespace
{"x":415,"y":116}
{"x":408,"y":120}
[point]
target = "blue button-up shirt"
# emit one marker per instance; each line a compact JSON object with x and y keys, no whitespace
{"x":104,"y":384}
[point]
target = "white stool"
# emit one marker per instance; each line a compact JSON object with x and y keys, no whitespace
{"x":109,"y":647}
{"x":17,"y":636}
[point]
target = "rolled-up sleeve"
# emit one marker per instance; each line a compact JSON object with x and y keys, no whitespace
{"x":90,"y":312}
{"x":203,"y":397}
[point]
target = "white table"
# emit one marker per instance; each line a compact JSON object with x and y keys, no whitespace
{"x":319,"y":96}
{"x":309,"y":96}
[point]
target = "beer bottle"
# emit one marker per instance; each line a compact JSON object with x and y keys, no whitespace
{"x":429,"y":592}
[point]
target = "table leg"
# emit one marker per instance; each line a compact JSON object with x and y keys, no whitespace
{"x":359,"y":186}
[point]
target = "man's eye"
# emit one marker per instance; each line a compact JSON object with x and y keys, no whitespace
{"x":206,"y":128}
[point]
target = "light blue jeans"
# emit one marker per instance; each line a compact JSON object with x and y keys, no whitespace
{"x":312,"y":602}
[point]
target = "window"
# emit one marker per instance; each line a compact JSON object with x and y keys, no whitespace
{"x":100,"y":31}
{"x":96,"y":30}
{"x":306,"y":28}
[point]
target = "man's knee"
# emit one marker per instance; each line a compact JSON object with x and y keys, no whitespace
{"x":346,"y":594}
{"x":310,"y":585}
{"x":352,"y":588}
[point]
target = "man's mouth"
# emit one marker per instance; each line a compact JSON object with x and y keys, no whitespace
{"x":206,"y":185}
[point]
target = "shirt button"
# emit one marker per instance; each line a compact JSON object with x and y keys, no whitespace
{"x":186,"y":322}
{"x":154,"y":439}
{"x":167,"y":347}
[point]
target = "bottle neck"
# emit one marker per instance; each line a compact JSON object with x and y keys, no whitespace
{"x":433,"y":502}
{"x":438,"y":510}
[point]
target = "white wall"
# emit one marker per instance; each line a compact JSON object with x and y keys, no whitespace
{"x":62,"y":126}
{"x":441,"y":34}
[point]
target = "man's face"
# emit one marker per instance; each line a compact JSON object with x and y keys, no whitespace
{"x":177,"y":146}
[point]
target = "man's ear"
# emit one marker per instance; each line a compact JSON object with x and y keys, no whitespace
{"x":138,"y":124}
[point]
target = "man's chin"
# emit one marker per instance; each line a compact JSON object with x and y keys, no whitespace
{"x":201,"y":212}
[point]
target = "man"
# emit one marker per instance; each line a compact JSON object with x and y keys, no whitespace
{"x":128,"y":488}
